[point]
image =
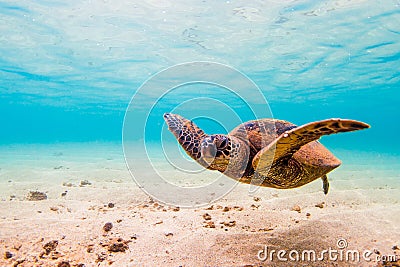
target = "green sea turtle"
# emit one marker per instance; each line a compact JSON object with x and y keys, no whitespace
{"x":266,"y":152}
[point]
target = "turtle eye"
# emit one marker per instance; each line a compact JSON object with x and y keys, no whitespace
{"x":224,"y":143}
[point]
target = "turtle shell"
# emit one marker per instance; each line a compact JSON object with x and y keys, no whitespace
{"x":260,"y":133}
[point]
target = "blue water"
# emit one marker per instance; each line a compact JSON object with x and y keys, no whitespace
{"x":68,"y":69}
{"x":79,"y":77}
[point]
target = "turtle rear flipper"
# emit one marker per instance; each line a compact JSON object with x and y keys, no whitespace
{"x":325,"y":184}
{"x":188,"y":134}
{"x":291,"y":141}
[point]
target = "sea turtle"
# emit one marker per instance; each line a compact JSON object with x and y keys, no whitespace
{"x":266,"y":152}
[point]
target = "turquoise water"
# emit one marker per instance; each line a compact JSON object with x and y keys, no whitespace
{"x":71,"y":70}
{"x":68,"y":69}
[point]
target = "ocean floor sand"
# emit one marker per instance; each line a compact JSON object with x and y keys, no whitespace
{"x":95,"y":215}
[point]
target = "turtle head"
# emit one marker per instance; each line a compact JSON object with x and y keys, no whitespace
{"x":215,"y":150}
{"x":224,"y":153}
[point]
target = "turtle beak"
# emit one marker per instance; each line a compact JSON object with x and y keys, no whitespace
{"x":208,"y":153}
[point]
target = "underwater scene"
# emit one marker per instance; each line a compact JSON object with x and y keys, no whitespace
{"x":199,"y":133}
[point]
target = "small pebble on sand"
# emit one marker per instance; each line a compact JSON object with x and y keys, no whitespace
{"x":36,"y":196}
{"x":84,"y":183}
{"x":320,"y":205}
{"x":118,"y":245}
{"x":64,"y":264}
{"x":54,"y":208}
{"x":206,"y":216}
{"x":229,"y":224}
{"x":68,"y":184}
{"x":296,"y":208}
{"x":209,"y":224}
{"x":107,"y":227}
{"x":265,"y":229}
{"x":8,"y":255}
{"x":50,"y":246}
{"x":89,"y":249}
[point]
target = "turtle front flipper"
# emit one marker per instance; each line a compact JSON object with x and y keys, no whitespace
{"x":292,"y":140}
{"x":187,"y":133}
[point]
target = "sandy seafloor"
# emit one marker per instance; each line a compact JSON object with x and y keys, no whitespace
{"x":362,"y":207}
